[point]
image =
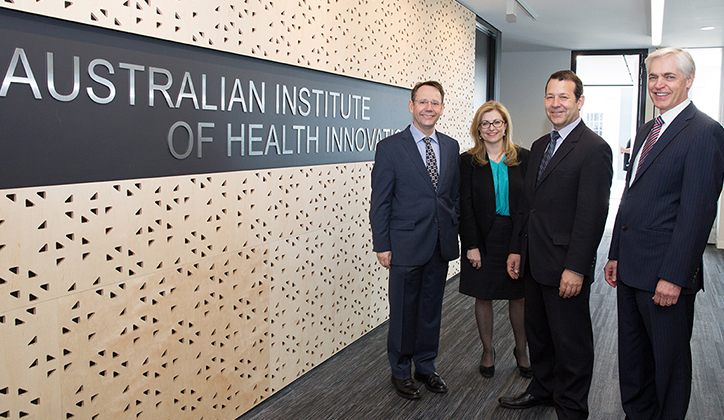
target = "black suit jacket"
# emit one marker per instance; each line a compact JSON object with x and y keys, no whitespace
{"x":560,"y":219}
{"x":477,"y":197}
{"x":665,"y":215}
{"x":406,"y":214}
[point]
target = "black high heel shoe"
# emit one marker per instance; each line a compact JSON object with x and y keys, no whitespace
{"x":487,"y":371}
{"x":526,"y":372}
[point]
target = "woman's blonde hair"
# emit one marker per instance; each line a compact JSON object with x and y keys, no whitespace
{"x":478,"y":150}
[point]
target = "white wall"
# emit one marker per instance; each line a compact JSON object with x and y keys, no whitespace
{"x":522,"y":86}
{"x":719,"y":224}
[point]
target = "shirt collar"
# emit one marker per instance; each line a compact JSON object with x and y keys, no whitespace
{"x":565,"y":131}
{"x":418,"y":135}
{"x":674,"y":112}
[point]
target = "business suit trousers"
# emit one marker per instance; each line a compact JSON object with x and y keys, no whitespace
{"x":415,"y":295}
{"x":654,"y":354}
{"x":560,"y":340}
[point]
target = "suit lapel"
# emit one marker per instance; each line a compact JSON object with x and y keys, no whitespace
{"x":536,"y":155}
{"x":487,"y":185}
{"x":568,"y":144}
{"x":513,"y":174}
{"x":640,"y":138}
{"x":445,"y":149}
{"x":679,"y":123}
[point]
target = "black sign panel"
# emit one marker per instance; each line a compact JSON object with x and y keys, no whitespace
{"x":85,"y":104}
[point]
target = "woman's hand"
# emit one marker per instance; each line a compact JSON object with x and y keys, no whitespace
{"x":474,"y":258}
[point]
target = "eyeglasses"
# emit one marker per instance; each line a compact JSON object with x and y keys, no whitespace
{"x":423,"y":103}
{"x":496,"y":123}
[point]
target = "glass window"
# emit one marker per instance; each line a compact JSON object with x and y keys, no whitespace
{"x":594,"y":121}
{"x":706,"y":91}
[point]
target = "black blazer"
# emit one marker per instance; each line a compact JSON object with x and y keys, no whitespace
{"x":560,"y":220}
{"x":477,"y":197}
{"x":666,"y":214}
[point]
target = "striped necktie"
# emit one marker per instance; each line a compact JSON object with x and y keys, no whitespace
{"x":430,"y":161}
{"x":650,"y":140}
{"x":548,"y":154}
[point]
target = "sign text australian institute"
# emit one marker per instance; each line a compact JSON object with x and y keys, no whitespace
{"x":83,"y":104}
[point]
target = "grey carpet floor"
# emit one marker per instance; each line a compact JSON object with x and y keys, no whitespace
{"x":355,"y":383}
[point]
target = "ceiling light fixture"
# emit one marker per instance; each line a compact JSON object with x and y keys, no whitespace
{"x":707,"y":28}
{"x":511,"y":12}
{"x":657,"y":22}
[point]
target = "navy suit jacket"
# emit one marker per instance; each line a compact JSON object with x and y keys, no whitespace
{"x":406,"y":214}
{"x":666,"y":214}
{"x":477,"y":197}
{"x":560,"y":219}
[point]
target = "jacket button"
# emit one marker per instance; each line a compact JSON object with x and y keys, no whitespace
{"x":624,"y":227}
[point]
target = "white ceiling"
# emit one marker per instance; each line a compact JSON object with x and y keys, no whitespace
{"x":602,"y":24}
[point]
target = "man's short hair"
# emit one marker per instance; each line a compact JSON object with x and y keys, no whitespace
{"x":432,"y":83}
{"x":568,"y":75}
{"x":684,"y":62}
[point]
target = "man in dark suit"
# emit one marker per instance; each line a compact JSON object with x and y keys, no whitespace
{"x":414,"y":212}
{"x":557,"y":230}
{"x":667,"y":209}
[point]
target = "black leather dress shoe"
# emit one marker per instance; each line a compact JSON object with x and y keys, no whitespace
{"x":406,"y":388}
{"x":524,"y":400}
{"x":433,"y":382}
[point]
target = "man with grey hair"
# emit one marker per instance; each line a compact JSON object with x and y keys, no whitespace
{"x":667,"y":209}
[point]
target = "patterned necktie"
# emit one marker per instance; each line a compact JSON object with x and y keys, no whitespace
{"x":430,"y":161}
{"x":548,"y":154}
{"x":650,"y":140}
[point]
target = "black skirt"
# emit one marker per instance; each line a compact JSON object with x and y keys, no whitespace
{"x":491,"y":280}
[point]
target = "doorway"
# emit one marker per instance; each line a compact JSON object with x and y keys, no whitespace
{"x":614,"y":87}
{"x":487,"y":57}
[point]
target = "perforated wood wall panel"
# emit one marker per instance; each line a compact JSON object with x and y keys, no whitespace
{"x":158,"y":298}
{"x":398,"y":42}
{"x":200,"y":296}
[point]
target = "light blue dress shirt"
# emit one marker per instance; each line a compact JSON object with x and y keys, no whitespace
{"x":419,"y":140}
{"x":564,"y":132}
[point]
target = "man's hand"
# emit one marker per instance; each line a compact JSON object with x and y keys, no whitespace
{"x":667,"y":293}
{"x":513,"y":265}
{"x":473,"y":256}
{"x":385,"y":258}
{"x":610,"y":272}
{"x":571,"y":284}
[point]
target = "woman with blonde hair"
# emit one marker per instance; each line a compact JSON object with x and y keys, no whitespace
{"x":492,"y":175}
